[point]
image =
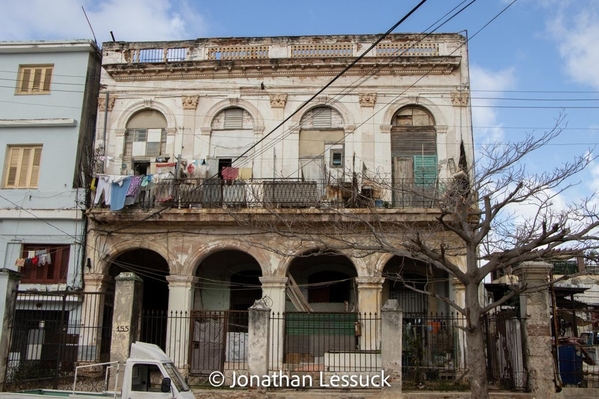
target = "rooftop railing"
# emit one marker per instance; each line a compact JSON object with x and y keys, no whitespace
{"x":325,"y":47}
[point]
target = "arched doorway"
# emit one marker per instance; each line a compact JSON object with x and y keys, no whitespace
{"x":228,"y":284}
{"x":409,"y":281}
{"x":326,"y":280}
{"x":228,"y":280}
{"x":152,"y":268}
{"x":322,"y":310}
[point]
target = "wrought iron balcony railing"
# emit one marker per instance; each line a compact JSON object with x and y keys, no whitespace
{"x":292,"y":193}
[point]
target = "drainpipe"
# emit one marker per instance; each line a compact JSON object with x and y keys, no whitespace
{"x":105,"y":129}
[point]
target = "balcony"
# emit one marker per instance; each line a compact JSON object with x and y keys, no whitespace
{"x":290,"y":193}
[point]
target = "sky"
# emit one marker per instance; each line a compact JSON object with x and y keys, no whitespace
{"x":532,"y":64}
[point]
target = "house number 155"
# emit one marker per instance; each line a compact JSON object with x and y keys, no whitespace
{"x":122,"y":328}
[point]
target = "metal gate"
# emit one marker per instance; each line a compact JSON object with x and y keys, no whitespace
{"x":218,"y":341}
{"x":52,"y":332}
{"x":505,"y":349}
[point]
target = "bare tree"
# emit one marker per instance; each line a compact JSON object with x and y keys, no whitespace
{"x":471,"y":230}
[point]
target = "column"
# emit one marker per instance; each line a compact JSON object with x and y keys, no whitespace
{"x":274,"y":288}
{"x":258,"y":337}
{"x":187,"y":136}
{"x":369,"y":300}
{"x":391,"y":341}
{"x":535,"y":308}
{"x":180,"y":303}
{"x":128,"y":300}
{"x":9,"y":282}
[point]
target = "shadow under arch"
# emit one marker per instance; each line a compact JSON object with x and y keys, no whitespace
{"x":153,"y":269}
{"x":228,"y":279}
{"x":326,"y":279}
{"x":405,"y":276}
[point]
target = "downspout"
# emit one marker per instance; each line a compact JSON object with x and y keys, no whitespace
{"x":105,"y":129}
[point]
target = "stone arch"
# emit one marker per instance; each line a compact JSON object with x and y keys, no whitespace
{"x":283,"y":267}
{"x":202,"y":252}
{"x":118,"y":248}
{"x":224,"y":104}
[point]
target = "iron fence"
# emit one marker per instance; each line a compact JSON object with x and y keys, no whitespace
{"x":324,"y":341}
{"x":52,"y":332}
{"x":434,"y":348}
{"x":169,"y":330}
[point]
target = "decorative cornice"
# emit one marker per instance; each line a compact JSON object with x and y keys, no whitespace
{"x":367,"y":100}
{"x":102,"y":103}
{"x":190,"y":102}
{"x":283,"y":67}
{"x":278,"y":100}
{"x":460,"y":98}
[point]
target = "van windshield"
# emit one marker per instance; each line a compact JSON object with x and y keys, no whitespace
{"x":176,"y":377}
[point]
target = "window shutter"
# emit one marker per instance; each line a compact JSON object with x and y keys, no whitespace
{"x":35,"y":168}
{"x":47,"y":79}
{"x":321,"y":118}
{"x":25,"y":77}
{"x":37,"y":79}
{"x":25,"y":168}
{"x":13,"y":167}
{"x":234,"y":118}
{"x":425,"y":170}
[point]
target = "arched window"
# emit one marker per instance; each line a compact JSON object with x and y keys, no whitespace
{"x":321,"y":143}
{"x":145,"y":140}
{"x":233,"y":119}
{"x":414,"y":147}
{"x":232,"y":135}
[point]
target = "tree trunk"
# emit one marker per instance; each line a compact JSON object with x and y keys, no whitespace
{"x":477,"y":365}
{"x":475,"y":346}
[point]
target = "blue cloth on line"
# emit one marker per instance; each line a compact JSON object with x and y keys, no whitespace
{"x":118,"y":194}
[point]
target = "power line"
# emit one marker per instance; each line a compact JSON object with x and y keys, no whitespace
{"x":358,"y":83}
{"x":336,"y":77}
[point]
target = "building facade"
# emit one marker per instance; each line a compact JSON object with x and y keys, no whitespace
{"x":206,"y":147}
{"x":47,"y":123}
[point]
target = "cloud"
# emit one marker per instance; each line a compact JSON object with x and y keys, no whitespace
{"x":487,"y":84}
{"x":575,"y":28}
{"x":131,"y":20}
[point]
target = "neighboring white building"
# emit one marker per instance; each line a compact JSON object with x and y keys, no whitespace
{"x":219,"y":124}
{"x":48,"y":113}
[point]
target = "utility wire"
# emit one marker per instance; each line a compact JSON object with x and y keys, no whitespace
{"x":376,"y":42}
